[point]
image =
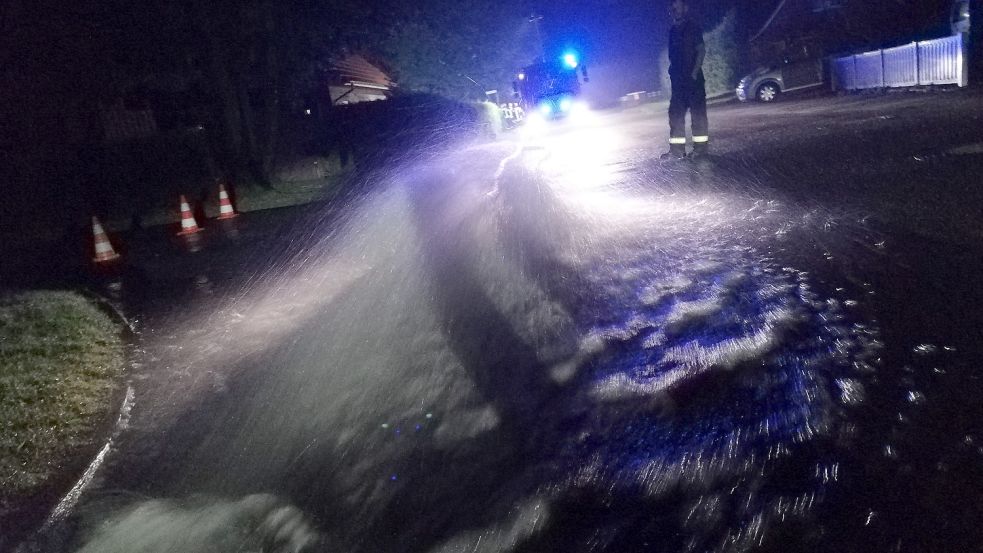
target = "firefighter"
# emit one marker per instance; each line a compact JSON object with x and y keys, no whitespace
{"x":518,"y":111}
{"x":686,"y":53}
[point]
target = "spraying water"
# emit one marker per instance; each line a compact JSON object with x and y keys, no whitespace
{"x":519,"y":347}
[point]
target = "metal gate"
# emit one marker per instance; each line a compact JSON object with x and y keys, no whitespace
{"x":939,"y":61}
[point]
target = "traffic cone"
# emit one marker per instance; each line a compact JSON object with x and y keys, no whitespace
{"x":225,"y":210}
{"x":104,"y":249}
{"x":188,"y":223}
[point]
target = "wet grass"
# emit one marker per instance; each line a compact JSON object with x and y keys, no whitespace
{"x":318,"y":179}
{"x":286,"y":194}
{"x":60,"y":360}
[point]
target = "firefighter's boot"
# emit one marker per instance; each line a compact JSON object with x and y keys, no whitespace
{"x":676,"y":151}
{"x":701,"y":149}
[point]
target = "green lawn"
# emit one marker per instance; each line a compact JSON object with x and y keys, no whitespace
{"x":60,"y":362}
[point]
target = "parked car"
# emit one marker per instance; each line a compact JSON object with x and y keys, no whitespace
{"x":766,"y":84}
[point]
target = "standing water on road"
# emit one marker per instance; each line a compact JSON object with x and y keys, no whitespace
{"x":517,"y":347}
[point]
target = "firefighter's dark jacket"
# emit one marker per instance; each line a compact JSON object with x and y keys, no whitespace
{"x":684,"y":41}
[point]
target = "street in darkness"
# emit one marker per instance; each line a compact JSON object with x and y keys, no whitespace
{"x":552,"y":339}
{"x":515,"y":356}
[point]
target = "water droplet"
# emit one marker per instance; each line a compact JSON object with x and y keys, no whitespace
{"x":851,"y":391}
{"x":925,"y":349}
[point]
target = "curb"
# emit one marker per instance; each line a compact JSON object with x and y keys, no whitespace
{"x":110,"y":308}
{"x":36,"y":540}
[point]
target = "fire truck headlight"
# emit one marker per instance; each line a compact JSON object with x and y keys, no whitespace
{"x":566,"y":104}
{"x":545,"y":109}
{"x":580,"y":113}
{"x":534,"y":125}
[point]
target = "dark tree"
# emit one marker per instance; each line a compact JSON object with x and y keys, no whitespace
{"x":445,"y":47}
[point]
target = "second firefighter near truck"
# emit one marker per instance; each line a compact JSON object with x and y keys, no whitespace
{"x":686,"y":53}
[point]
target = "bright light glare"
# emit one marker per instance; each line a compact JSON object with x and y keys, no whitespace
{"x":535,"y":124}
{"x":580,"y":113}
{"x":545,"y":109}
{"x":578,"y":166}
{"x":565,"y":104}
{"x":570,"y":60}
{"x":522,"y":76}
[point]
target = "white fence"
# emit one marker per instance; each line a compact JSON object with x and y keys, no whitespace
{"x":939,"y":61}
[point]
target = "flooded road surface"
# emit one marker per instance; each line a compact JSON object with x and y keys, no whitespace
{"x":557,"y":343}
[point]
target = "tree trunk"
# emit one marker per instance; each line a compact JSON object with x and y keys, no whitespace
{"x":229,"y":136}
{"x":251,"y":156}
{"x":272,"y":93}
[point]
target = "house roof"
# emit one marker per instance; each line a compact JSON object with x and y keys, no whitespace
{"x":353,"y":68}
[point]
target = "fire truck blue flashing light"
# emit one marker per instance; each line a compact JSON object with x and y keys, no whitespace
{"x":570,"y":60}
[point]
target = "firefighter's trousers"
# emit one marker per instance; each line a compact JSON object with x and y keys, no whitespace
{"x":691,"y":95}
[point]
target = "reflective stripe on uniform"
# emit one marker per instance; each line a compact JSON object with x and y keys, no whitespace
{"x":700,"y":139}
{"x":677,"y":140}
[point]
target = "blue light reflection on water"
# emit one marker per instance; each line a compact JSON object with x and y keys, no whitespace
{"x":734,"y":372}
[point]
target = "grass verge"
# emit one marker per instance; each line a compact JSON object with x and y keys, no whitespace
{"x":60,"y":362}
{"x":308,"y":180}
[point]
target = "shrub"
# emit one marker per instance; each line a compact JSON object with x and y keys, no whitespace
{"x":723,"y":57}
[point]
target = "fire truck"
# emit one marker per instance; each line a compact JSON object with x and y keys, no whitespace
{"x":551,"y":88}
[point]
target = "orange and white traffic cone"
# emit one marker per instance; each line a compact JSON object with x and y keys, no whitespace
{"x":104,"y":249}
{"x":188,"y":223}
{"x":225,"y":210}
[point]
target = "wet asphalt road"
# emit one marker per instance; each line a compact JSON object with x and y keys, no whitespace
{"x":858,"y":215}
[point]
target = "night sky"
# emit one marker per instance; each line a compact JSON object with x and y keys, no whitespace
{"x":622,"y":39}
